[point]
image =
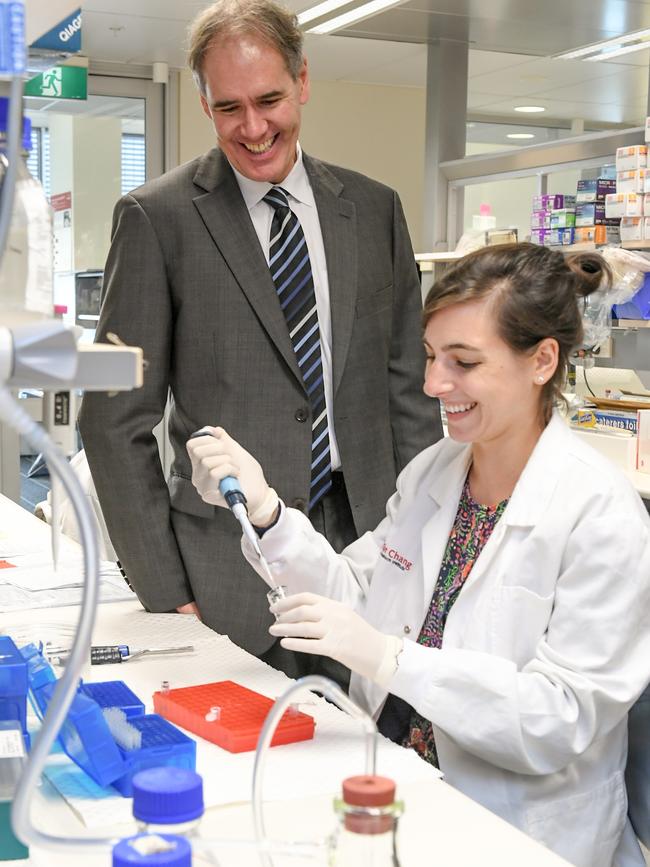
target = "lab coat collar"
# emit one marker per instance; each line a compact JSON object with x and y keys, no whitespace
{"x":529,"y":500}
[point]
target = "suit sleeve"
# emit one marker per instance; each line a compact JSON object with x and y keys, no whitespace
{"x":117,"y":430}
{"x":589,"y":667}
{"x":415,"y":418}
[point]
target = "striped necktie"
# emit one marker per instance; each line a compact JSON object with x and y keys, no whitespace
{"x":291,"y":273}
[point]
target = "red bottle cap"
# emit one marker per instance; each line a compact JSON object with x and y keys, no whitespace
{"x":60,"y":309}
{"x":368,"y":791}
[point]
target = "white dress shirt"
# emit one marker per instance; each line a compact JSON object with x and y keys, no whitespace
{"x":301,"y":202}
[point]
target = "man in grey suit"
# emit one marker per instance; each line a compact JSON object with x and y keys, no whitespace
{"x":188,"y":279}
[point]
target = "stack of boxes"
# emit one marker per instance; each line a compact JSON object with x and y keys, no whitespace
{"x":629,"y":201}
{"x":553,"y":219}
{"x":593,"y":225}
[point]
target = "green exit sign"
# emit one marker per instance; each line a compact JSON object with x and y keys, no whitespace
{"x":60,"y":82}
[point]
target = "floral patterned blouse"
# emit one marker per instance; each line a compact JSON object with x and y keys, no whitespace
{"x":472,"y":528}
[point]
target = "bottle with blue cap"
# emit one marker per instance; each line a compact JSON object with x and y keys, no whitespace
{"x":169,"y":801}
{"x":26,"y":268}
{"x":152,"y":850}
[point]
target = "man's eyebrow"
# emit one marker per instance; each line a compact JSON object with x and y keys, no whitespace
{"x":224,"y":103}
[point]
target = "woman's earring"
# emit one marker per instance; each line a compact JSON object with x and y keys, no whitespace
{"x":540,"y":379}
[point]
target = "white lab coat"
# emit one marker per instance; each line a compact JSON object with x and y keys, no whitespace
{"x":545,"y":650}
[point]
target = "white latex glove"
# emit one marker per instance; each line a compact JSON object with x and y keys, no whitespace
{"x":217,"y":455}
{"x":310,"y":623}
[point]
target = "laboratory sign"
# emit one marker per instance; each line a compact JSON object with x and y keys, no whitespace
{"x":60,"y":82}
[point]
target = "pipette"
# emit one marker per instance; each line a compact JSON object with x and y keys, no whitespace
{"x":233,"y":495}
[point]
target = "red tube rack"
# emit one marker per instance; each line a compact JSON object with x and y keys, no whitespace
{"x":242,"y":716}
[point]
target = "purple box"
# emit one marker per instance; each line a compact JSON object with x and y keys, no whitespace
{"x":540,"y":220}
{"x":593,"y":214}
{"x":540,"y":236}
{"x":553,"y":202}
{"x":595,"y":189}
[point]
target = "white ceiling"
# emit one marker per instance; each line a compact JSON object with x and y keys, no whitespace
{"x":510,"y":41}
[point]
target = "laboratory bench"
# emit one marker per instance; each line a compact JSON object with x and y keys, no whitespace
{"x":300,"y":779}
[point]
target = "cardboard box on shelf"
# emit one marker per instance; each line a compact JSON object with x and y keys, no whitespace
{"x":597,"y":235}
{"x":553,"y":201}
{"x":593,"y":214}
{"x":563,"y":219}
{"x":632,"y":229}
{"x":623,"y":205}
{"x":594,"y":189}
{"x":632,"y":158}
{"x":631,"y":181}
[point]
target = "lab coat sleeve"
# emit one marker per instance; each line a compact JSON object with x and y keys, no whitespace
{"x":589,"y":667}
{"x":303,"y":560}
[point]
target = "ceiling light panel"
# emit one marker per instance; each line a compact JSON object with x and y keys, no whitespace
{"x":352,"y":15}
{"x":320,"y":9}
{"x":529,"y":109}
{"x":597,"y":47}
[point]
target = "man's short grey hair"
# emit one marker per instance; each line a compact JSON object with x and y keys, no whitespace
{"x":263,"y":18}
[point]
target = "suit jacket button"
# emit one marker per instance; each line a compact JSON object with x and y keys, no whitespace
{"x":299,"y":504}
{"x":301,"y":414}
{"x":407,"y":629}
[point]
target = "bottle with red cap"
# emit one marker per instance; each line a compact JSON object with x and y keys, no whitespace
{"x":368,"y":817}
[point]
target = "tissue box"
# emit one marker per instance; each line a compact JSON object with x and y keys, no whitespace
{"x":623,"y":205}
{"x":594,"y":189}
{"x":632,"y":228}
{"x":631,"y":181}
{"x":628,"y":159}
{"x":643,"y":441}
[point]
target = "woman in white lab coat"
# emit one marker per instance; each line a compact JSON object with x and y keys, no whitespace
{"x":503,"y":604}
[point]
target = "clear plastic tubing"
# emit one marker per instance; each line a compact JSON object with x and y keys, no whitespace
{"x":335,"y":694}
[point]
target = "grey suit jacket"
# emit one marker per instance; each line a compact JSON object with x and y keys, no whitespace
{"x":187,"y":280}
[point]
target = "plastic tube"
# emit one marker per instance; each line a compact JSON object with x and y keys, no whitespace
{"x":335,"y":694}
{"x":14,"y":415}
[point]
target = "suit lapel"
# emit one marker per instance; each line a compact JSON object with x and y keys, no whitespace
{"x":337,"y":217}
{"x":224,"y":212}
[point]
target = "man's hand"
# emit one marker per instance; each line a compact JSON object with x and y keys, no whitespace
{"x":217,"y":455}
{"x":189,"y":608}
{"x":310,"y":623}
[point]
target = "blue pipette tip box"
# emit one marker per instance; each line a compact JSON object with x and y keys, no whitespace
{"x":114,"y":693}
{"x":13,"y":683}
{"x":162,"y":745}
{"x":87,"y":739}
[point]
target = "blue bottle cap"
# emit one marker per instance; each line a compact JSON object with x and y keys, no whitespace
{"x":167,"y":796}
{"x":137,"y":851}
{"x":27,"y":124}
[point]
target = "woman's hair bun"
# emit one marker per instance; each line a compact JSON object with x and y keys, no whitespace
{"x":591,"y":272}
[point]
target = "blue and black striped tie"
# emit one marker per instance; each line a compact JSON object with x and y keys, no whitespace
{"x":291,"y":273}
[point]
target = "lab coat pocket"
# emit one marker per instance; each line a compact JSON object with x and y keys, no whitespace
{"x":519,"y":620}
{"x":585,"y":828}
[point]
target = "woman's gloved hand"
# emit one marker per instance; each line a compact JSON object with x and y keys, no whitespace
{"x":217,"y":455}
{"x":310,"y":623}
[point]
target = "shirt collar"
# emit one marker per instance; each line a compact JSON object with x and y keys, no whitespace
{"x":296,"y":184}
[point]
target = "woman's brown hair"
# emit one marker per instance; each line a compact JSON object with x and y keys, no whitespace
{"x":537,"y":292}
